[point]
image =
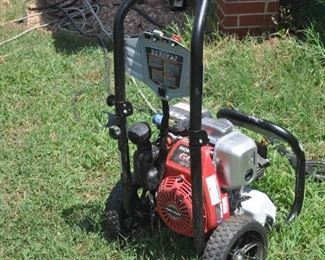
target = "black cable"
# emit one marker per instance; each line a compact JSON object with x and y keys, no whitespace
{"x":161,"y":160}
{"x":106,"y":59}
{"x":59,"y":7}
{"x":104,"y":47}
{"x":148,"y":18}
{"x":71,"y":20}
{"x":52,"y":5}
{"x":69,"y":4}
{"x":79,"y":16}
{"x":314,"y":169}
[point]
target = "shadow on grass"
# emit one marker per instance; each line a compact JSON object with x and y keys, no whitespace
{"x":310,"y":13}
{"x":148,"y":242}
{"x":86,"y":216}
{"x":161,"y":243}
{"x":68,"y":41}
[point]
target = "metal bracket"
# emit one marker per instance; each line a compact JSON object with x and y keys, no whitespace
{"x":124,"y":109}
{"x":115,"y":132}
{"x":162,"y":92}
{"x":200,"y":138}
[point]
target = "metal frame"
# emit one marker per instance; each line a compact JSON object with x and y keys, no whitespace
{"x":196,"y":135}
{"x":121,"y":122}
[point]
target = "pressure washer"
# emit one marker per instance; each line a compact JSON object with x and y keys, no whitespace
{"x":197,"y":176}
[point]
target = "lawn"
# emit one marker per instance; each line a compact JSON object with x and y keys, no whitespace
{"x":58,"y":164}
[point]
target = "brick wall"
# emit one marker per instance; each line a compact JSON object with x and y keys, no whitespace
{"x":244,"y":17}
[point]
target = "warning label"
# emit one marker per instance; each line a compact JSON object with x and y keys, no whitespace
{"x":164,"y":68}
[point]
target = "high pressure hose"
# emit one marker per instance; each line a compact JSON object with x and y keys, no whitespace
{"x":315,"y":169}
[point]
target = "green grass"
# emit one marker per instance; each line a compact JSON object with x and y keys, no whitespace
{"x":57,"y":163}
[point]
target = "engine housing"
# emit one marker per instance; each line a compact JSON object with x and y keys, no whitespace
{"x":235,"y":154}
{"x":174,"y":195}
{"x":174,"y":204}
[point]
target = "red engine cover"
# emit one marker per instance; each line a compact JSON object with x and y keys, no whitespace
{"x":174,"y":197}
{"x":174,"y":204}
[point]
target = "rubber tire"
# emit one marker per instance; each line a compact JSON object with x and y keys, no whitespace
{"x":227,"y":233}
{"x":115,"y":213}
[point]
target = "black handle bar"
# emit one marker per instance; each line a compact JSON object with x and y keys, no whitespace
{"x":195,"y":133}
{"x":121,"y":121}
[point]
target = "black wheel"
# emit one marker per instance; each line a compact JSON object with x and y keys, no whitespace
{"x":115,"y":215}
{"x":239,"y":238}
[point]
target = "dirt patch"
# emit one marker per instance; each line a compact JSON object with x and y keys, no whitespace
{"x":147,"y":15}
{"x":3,"y":7}
{"x":4,"y":3}
{"x":34,"y":19}
{"x":135,"y":23}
